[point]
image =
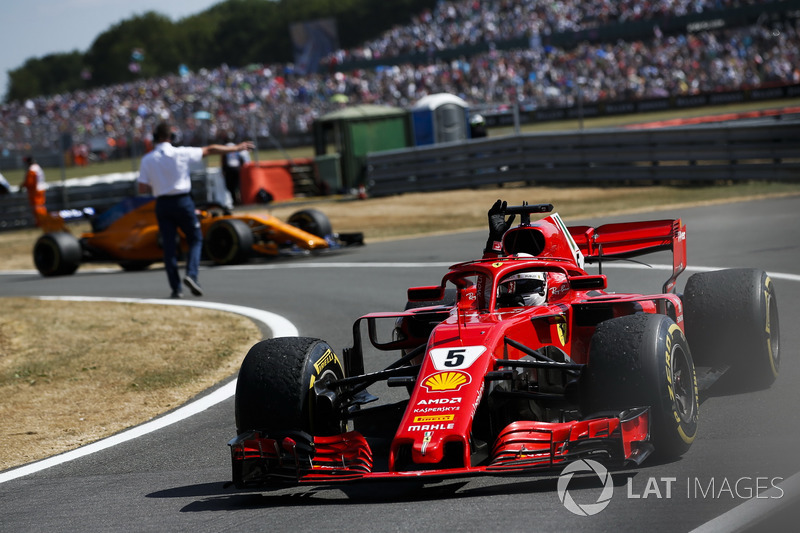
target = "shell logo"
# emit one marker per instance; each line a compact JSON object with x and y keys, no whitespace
{"x":446,"y":381}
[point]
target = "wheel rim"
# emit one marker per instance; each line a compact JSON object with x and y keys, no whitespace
{"x":319,"y":426}
{"x":683,"y":384}
{"x":773,"y":332}
{"x":221,"y":243}
{"x":306,"y":223}
{"x":45,"y":257}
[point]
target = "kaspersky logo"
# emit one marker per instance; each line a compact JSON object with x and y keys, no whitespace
{"x":603,"y":499}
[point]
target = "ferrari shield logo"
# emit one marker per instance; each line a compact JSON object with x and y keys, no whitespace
{"x":426,"y":440}
{"x":561,"y":327}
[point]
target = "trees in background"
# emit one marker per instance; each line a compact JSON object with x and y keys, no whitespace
{"x":235,"y":32}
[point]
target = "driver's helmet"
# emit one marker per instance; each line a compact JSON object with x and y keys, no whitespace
{"x":523,"y":289}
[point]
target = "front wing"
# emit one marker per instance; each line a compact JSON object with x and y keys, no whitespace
{"x":522,"y":447}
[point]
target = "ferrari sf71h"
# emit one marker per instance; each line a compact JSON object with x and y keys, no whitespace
{"x":519,"y":362}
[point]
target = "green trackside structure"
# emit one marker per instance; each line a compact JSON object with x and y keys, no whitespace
{"x":353,"y":132}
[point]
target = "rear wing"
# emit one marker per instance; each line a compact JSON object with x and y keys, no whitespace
{"x":630,"y":239}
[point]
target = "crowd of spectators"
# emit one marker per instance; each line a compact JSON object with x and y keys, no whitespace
{"x":231,"y":104}
{"x":468,"y":22}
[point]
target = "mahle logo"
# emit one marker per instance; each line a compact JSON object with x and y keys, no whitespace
{"x":586,"y":509}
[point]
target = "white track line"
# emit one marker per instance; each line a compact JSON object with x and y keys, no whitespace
{"x":280,"y":328}
{"x":441,"y":264}
{"x":438,"y":264}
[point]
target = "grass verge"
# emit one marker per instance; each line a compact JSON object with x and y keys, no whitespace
{"x":67,"y":378}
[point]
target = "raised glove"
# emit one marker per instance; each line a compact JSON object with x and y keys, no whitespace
{"x":498,"y":225}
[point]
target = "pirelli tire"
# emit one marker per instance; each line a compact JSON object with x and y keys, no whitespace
{"x":732,"y":320}
{"x":228,"y":241}
{"x":312,"y":221}
{"x":275,"y":389}
{"x":644,"y":360}
{"x":57,"y":254}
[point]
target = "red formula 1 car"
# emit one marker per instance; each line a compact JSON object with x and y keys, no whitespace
{"x":514,"y":364}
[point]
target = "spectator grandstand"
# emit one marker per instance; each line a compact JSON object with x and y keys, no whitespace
{"x":273,"y":100}
{"x":468,"y":22}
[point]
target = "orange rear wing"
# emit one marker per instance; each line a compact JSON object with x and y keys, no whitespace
{"x":50,"y":222}
{"x":630,"y":239}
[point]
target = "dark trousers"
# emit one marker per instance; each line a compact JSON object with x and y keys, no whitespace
{"x":232,"y":184}
{"x":175,"y":212}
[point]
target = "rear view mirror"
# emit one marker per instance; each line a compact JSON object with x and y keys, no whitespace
{"x":426,"y":294}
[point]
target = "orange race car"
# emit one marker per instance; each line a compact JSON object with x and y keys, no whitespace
{"x":127,"y":234}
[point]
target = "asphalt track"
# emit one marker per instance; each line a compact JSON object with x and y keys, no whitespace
{"x":170,"y":476}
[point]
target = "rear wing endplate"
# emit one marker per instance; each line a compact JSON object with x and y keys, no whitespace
{"x":630,"y":239}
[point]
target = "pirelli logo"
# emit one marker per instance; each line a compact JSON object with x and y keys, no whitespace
{"x":433,"y":418}
{"x":327,"y":358}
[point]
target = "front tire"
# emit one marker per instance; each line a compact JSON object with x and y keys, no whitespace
{"x":644,"y":360}
{"x":229,"y":241}
{"x":311,"y":221}
{"x":732,"y":319}
{"x":275,"y":390}
{"x":57,"y":254}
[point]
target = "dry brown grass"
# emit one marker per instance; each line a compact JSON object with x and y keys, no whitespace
{"x":67,"y":378}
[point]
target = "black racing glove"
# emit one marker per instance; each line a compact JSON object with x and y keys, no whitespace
{"x":498,"y":225}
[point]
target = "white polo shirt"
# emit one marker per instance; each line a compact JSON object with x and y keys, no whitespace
{"x":166,"y":168}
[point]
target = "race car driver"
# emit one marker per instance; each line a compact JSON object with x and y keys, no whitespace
{"x":524,"y":288}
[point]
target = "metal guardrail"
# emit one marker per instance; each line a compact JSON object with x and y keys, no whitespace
{"x":759,"y":150}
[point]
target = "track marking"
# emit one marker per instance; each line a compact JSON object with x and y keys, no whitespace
{"x":438,"y":264}
{"x":443,"y":264}
{"x":279,"y":326}
{"x":256,"y":266}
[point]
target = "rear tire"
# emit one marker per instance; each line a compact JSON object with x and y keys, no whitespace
{"x":312,"y":221}
{"x":275,"y":387}
{"x":644,"y":360}
{"x":732,"y":319}
{"x":57,"y":254}
{"x":229,"y":242}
